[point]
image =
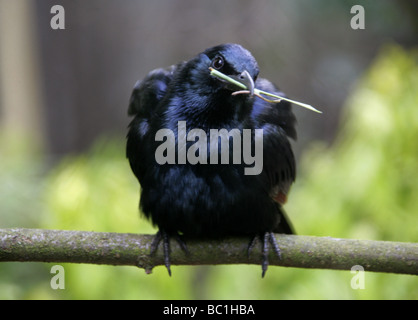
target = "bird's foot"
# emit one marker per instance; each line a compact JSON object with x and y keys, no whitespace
{"x":165,"y":238}
{"x":265,"y":238}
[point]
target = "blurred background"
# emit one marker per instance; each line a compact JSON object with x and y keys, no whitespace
{"x":63,"y":120}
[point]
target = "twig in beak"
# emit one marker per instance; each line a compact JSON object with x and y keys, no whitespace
{"x":258,"y":92}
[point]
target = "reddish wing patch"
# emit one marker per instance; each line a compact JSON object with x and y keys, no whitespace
{"x":280,"y":197}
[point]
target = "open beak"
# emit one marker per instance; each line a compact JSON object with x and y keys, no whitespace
{"x":245,"y":78}
{"x":245,"y":82}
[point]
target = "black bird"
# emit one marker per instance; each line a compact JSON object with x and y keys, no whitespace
{"x":211,"y":200}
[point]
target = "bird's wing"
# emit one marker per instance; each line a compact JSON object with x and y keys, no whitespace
{"x":278,"y":124}
{"x":143,"y":104}
{"x":149,"y":92}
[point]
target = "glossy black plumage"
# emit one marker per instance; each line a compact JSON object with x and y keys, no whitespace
{"x":211,"y":200}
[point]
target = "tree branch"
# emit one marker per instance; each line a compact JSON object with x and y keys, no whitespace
{"x":133,"y":249}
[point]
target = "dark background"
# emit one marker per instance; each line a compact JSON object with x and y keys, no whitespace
{"x":82,"y":76}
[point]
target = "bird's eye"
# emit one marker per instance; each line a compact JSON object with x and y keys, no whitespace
{"x":218,"y":62}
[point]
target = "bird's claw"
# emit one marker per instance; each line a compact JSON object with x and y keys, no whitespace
{"x":162,"y":235}
{"x":265,"y":238}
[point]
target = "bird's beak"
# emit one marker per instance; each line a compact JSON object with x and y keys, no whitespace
{"x":246,"y":79}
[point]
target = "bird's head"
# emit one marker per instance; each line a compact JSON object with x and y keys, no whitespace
{"x":236,"y":62}
{"x":207,"y":99}
{"x":228,"y":69}
{"x":232,"y":60}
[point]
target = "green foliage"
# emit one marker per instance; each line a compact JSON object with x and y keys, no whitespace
{"x":364,"y":184}
{"x":20,"y":181}
{"x":363,"y":187}
{"x":98,"y":192}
